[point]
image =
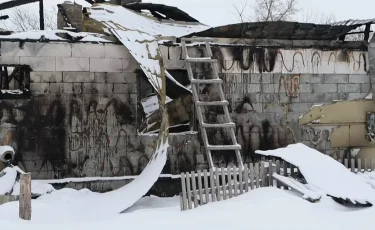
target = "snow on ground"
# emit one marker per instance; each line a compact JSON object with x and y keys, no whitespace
{"x":266,"y":208}
{"x":325,"y":173}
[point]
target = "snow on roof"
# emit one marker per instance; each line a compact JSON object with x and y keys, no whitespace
{"x":131,"y":20}
{"x":55,"y":35}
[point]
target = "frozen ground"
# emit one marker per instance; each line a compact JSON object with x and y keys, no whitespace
{"x":266,"y":208}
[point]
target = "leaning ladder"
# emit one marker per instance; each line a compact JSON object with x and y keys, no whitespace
{"x":216,"y":81}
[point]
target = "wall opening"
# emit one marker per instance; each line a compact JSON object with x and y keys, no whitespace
{"x":14,"y":81}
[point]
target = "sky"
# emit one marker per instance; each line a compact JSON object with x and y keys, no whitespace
{"x":221,"y":12}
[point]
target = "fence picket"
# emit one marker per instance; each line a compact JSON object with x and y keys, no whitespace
{"x":365,"y":165}
{"x":235,"y":181}
{"x":200,"y":187}
{"x":291,"y":170}
{"x":285,"y":168}
{"x":341,"y":161}
{"x":240,"y":179}
{"x":224,"y":184}
{"x":278,"y":172}
{"x":270,"y":172}
{"x":183,"y":187}
{"x":372,"y":165}
{"x":256,"y":171}
{"x":194,"y":188}
{"x":212,"y":183}
{"x":230,"y":182}
{"x":252,"y":173}
{"x":188,"y":190}
{"x":205,"y":184}
{"x":218,"y":190}
{"x":263,"y":173}
{"x":352,"y":165}
{"x":346,"y":163}
{"x":359,"y":165}
{"x":246,"y":178}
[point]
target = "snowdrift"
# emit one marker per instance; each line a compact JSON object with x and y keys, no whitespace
{"x":325,"y":173}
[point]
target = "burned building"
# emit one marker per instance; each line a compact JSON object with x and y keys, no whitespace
{"x":77,"y":102}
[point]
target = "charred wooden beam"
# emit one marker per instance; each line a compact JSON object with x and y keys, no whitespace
{"x":4,"y":17}
{"x":11,"y":4}
{"x":41,"y":14}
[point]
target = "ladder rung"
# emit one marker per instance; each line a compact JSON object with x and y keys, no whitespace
{"x":212,"y":103}
{"x":223,"y":147}
{"x":199,"y":39}
{"x":206,"y":81}
{"x":222,"y":125}
{"x":207,"y":59}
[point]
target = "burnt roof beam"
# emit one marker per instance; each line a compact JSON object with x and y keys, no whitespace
{"x":11,"y":4}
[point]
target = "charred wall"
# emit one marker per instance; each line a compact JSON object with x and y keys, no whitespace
{"x":270,"y":88}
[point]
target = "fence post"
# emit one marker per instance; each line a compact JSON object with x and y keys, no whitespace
{"x":365,"y":164}
{"x":372,"y":164}
{"x":25,"y":197}
{"x":183,"y":187}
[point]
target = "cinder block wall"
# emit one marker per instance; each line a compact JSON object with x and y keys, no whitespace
{"x":270,"y":88}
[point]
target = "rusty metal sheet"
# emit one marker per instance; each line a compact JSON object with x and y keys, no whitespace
{"x":343,"y":112}
{"x":352,"y":22}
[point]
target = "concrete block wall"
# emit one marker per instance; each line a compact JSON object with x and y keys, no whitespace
{"x":278,"y":86}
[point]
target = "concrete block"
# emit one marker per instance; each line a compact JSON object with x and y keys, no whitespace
{"x":98,"y":88}
{"x":365,"y":88}
{"x":120,"y":88}
{"x":330,"y":97}
{"x":253,"y":88}
{"x":88,"y":50}
{"x":336,"y":78}
{"x":130,"y":64}
{"x":67,"y":87}
{"x":106,"y":65}
{"x":39,"y":87}
{"x":349,"y":88}
{"x":100,"y":77}
{"x":362,"y":78}
{"x":42,"y":64}
{"x":56,"y":88}
{"x":305,"y":88}
{"x":316,"y":78}
{"x":46,"y":76}
{"x":325,"y":88}
{"x":267,"y":78}
{"x":353,"y":96}
{"x":300,"y":107}
{"x":78,"y":88}
{"x":9,"y":60}
{"x":78,"y":77}
{"x":36,"y":49}
{"x":124,"y":77}
{"x":72,"y":64}
{"x":268,"y":88}
{"x":115,"y":51}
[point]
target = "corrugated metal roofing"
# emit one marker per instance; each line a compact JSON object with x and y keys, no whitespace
{"x":278,"y":30}
{"x":352,"y":22}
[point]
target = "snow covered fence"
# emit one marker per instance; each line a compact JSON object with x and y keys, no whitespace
{"x":199,"y":188}
{"x":202,"y":187}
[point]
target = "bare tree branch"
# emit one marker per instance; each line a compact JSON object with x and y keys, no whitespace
{"x":22,"y":19}
{"x":268,"y":10}
{"x":318,"y":18}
